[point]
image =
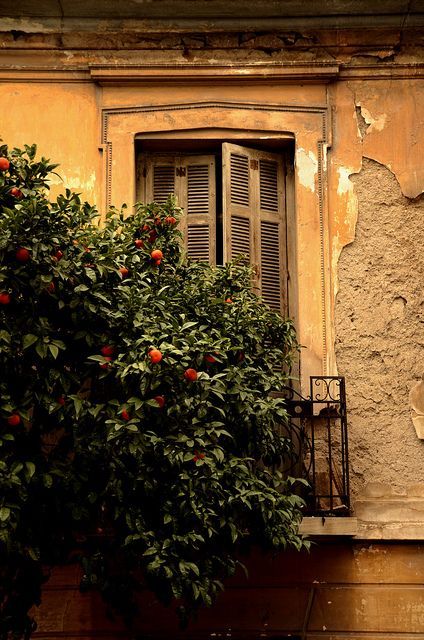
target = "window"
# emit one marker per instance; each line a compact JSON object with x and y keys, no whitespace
{"x":234,"y":202}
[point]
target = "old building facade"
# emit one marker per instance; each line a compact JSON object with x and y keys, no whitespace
{"x":326,"y":99}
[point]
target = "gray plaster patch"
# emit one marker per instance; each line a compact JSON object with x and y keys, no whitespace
{"x":380,"y":330}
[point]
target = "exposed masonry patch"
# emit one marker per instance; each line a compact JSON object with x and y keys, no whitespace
{"x":367,"y":122}
{"x":307,"y":168}
{"x":363,"y":125}
{"x":344,"y":184}
{"x":380,"y":330}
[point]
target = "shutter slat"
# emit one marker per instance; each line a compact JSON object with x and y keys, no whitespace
{"x":239,"y":179}
{"x":240,"y":236}
{"x":198,"y":242}
{"x":163,"y":182}
{"x":268,"y":185}
{"x":271,"y":264}
{"x":200,"y":205}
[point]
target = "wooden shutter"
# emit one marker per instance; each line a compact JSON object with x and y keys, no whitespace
{"x":198,"y":198}
{"x":192,"y":180}
{"x":254,"y":217}
{"x":158,"y":178}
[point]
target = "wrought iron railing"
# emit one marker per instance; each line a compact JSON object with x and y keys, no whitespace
{"x":318,"y":433}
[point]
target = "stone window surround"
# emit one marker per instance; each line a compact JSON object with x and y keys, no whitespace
{"x":309,"y":259}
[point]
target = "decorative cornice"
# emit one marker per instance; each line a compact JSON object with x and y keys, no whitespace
{"x":195,"y":73}
{"x":314,"y":72}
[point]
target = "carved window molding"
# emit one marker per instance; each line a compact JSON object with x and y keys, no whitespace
{"x":309,"y":126}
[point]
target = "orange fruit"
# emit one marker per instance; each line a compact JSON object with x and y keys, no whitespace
{"x":14,"y":420}
{"x":107,"y":350}
{"x":190,"y":375}
{"x":22,"y":255}
{"x":4,"y":164}
{"x":160,"y":400}
{"x":4,"y":298}
{"x":155,"y":356}
{"x":156,"y":254}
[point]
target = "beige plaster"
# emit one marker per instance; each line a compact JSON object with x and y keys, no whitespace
{"x":380,"y":330}
{"x":416,"y":403}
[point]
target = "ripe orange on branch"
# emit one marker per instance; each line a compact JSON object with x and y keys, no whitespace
{"x":156,"y":254}
{"x":160,"y":400}
{"x":155,"y":356}
{"x":4,"y":164}
{"x":22,"y":254}
{"x":16,"y":193}
{"x":190,"y":375}
{"x":123,"y":271}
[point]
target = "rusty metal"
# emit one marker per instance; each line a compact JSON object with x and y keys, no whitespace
{"x":318,"y":431}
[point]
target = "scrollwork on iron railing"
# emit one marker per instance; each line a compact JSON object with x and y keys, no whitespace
{"x":318,"y":435}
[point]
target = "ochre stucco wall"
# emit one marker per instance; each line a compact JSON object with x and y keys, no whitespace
{"x":63,"y":120}
{"x":371,"y":113}
{"x":338,"y":590}
{"x":362,"y":297}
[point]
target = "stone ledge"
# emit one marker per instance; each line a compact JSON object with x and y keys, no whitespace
{"x":314,"y":72}
{"x":390,"y":531}
{"x":329,"y":526}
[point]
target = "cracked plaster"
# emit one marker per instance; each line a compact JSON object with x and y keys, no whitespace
{"x":379,"y":351}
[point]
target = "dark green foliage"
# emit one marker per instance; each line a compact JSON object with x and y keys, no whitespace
{"x":152,"y":478}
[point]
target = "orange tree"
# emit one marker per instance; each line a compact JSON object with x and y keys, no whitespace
{"x":137,"y":425}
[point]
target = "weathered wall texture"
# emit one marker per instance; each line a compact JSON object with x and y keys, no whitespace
{"x":353,"y":98}
{"x":345,"y":94}
{"x":338,"y":591}
{"x":380,"y":329}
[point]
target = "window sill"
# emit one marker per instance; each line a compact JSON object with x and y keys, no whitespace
{"x":329,"y":526}
{"x":360,"y":530}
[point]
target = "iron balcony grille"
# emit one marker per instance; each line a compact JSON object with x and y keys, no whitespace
{"x":318,"y":432}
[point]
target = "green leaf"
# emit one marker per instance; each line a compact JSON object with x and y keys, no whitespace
{"x":30,"y":469}
{"x":47,"y":480}
{"x":28,"y":340}
{"x":4,"y":514}
{"x":54,"y":350}
{"x":5,"y":336}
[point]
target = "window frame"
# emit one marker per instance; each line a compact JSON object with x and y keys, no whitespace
{"x":169,"y":148}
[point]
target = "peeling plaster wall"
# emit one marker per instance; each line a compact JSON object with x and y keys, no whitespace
{"x":377,"y":107}
{"x":374,"y":269}
{"x":380,"y":329}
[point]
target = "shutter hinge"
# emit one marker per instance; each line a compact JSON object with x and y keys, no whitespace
{"x":254,"y":164}
{"x":180,"y":171}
